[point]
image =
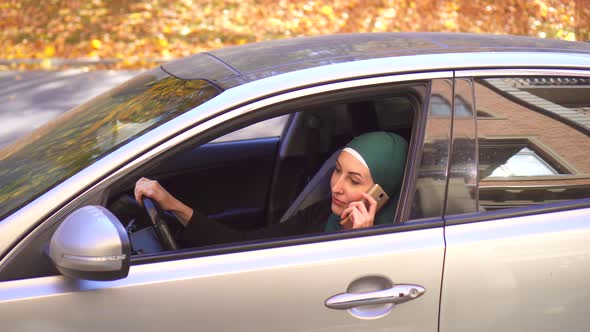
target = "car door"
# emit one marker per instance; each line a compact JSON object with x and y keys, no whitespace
{"x":283,"y":284}
{"x":517,"y":255}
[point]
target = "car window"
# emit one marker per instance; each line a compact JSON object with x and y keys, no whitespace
{"x":264,"y":129}
{"x":428,"y":196}
{"x":462,"y":175}
{"x":247,"y":183}
{"x":533,"y":140}
{"x":36,"y":163}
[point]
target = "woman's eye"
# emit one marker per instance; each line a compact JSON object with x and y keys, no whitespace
{"x":356,"y":183}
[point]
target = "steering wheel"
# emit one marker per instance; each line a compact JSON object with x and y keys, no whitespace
{"x":161,"y":227}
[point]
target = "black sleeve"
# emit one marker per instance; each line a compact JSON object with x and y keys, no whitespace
{"x":202,"y":231}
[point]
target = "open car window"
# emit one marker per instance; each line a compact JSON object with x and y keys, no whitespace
{"x":248,"y":182}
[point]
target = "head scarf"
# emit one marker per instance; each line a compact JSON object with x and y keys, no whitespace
{"x":384,"y":154}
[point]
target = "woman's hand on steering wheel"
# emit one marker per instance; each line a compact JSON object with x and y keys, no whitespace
{"x":153,"y":189}
{"x":145,"y":187}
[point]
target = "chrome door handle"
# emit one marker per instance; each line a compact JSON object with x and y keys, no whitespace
{"x":396,"y":295}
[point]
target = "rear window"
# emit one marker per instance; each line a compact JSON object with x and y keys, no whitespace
{"x":533,"y":141}
{"x":56,"y":151}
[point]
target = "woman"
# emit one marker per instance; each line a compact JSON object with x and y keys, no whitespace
{"x":376,"y":157}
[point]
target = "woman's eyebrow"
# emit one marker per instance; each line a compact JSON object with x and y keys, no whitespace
{"x":356,"y":173}
{"x":349,"y":172}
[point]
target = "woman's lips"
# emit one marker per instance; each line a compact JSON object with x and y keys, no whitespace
{"x":337,"y":201}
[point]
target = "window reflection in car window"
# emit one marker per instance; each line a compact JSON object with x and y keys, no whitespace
{"x":264,"y":129}
{"x":441,"y":107}
{"x":428,"y":196}
{"x":534,"y":151}
{"x":46,"y":157}
{"x":524,"y":163}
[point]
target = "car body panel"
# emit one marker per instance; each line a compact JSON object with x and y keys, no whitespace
{"x":263,"y":290}
{"x":518,"y":274}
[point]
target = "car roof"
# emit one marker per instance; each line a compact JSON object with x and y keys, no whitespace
{"x":232,"y":66}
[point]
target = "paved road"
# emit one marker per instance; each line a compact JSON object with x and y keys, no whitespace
{"x":29,"y":99}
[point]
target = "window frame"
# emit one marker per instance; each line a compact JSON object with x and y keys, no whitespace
{"x":305,"y":239}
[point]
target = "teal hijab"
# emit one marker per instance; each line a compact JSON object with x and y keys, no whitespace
{"x":385,"y":155}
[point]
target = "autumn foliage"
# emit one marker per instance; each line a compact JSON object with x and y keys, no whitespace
{"x":140,"y":33}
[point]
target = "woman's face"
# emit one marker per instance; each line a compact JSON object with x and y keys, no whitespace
{"x":350,"y":179}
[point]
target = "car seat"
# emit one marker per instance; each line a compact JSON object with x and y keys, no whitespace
{"x":317,"y":189}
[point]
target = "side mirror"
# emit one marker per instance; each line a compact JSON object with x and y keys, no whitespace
{"x":91,"y":243}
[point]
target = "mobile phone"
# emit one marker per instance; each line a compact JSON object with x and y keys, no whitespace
{"x":378,"y":194}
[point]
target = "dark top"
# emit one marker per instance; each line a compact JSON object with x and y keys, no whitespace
{"x":203,"y":231}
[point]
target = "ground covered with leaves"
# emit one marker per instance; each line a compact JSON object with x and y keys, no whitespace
{"x":133,"y":34}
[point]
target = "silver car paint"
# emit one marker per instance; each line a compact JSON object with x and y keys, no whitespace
{"x":15,"y":226}
{"x":279,"y":289}
{"x":518,"y":274}
{"x":88,"y":240}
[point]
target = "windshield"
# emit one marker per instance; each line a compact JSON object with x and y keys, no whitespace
{"x":61,"y":148}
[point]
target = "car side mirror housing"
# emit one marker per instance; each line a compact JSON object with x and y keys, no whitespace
{"x":91,"y":243}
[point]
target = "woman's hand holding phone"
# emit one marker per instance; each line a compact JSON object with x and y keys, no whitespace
{"x":360,"y":214}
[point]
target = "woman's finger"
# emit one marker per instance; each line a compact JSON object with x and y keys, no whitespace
{"x":138,"y":191}
{"x":145,"y":187}
{"x":362,"y":208}
{"x":358,"y":220}
{"x":346,"y":212}
{"x":372,"y":205}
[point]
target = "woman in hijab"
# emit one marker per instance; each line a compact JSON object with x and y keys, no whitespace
{"x":376,"y":157}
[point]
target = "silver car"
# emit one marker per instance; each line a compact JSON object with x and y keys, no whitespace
{"x":492,"y":228}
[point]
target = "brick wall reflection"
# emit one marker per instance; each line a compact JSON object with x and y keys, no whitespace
{"x":508,"y":118}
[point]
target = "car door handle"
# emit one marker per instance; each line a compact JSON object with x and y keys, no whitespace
{"x":396,"y":295}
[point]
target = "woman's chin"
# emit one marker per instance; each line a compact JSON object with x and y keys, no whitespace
{"x":336,"y":209}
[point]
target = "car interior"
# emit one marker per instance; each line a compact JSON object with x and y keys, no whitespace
{"x":250,"y":183}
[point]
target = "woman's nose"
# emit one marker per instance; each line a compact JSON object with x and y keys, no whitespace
{"x":337,"y":185}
